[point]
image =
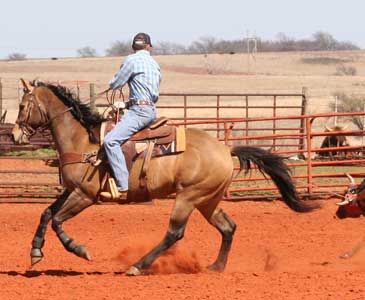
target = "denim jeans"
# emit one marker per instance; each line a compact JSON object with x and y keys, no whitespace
{"x":136,"y":118}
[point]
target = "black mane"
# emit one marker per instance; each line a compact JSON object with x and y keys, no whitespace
{"x":82,"y":112}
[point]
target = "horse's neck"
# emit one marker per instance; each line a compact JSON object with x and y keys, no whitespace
{"x":68,"y":134}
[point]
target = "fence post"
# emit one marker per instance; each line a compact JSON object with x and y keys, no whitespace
{"x":92,"y":95}
{"x":303,"y":112}
{"x":308,"y":127}
{"x":336,"y":110}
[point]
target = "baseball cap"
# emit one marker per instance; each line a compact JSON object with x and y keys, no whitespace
{"x":141,"y":39}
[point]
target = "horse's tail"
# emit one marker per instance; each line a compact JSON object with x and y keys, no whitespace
{"x":274,"y":166}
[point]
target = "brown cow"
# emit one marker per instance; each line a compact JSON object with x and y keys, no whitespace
{"x":334,"y":141}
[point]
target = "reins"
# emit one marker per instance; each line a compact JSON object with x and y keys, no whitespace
{"x":27,"y":129}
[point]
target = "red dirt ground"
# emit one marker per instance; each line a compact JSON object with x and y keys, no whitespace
{"x":276,"y":254}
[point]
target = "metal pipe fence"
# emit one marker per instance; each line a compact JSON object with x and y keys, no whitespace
{"x":272,"y":121}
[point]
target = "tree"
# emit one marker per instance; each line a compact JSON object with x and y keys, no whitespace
{"x":204,"y":45}
{"x":86,"y":52}
{"x":119,"y":48}
{"x":324,"y":40}
{"x":17,"y":56}
{"x":168,"y":48}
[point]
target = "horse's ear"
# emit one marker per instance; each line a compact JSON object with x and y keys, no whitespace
{"x":25,"y":86}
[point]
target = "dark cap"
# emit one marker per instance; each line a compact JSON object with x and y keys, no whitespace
{"x":141,"y":39}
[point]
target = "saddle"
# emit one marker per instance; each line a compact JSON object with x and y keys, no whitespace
{"x":157,"y":139}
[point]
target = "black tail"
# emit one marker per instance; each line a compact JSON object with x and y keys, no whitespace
{"x":274,"y":166}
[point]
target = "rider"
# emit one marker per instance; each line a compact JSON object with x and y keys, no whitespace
{"x":142,"y":73}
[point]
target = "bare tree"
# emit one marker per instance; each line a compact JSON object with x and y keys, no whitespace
{"x":168,"y":48}
{"x":324,"y":40}
{"x":17,"y":56}
{"x":207,"y":45}
{"x":204,"y":45}
{"x":86,"y":52}
{"x":119,"y":48}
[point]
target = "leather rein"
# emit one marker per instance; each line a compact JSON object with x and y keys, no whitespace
{"x":28,"y":130}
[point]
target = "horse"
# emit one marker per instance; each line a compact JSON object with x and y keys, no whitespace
{"x":198,"y":177}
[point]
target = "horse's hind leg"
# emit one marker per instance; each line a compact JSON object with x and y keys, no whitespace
{"x":179,"y":217}
{"x":38,"y":240}
{"x":76,"y":202}
{"x":225,"y":225}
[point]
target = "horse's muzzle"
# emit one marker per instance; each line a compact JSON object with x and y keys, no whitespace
{"x":18,"y":135}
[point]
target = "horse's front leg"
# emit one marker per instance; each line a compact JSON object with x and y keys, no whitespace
{"x":76,"y":202}
{"x":38,"y":240}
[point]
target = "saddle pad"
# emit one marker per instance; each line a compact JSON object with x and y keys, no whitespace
{"x":133,"y":150}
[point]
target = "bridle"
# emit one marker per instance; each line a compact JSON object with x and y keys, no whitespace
{"x":32,"y":103}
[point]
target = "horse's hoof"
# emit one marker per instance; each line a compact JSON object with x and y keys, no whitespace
{"x":36,"y":255}
{"x":35,"y":260}
{"x":133,"y":271}
{"x":345,"y":255}
{"x":81,"y":251}
{"x":215,"y":267}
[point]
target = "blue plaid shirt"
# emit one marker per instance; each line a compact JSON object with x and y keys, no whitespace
{"x":143,"y":75}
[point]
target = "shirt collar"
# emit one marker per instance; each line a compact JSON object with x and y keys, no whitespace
{"x":144,"y":52}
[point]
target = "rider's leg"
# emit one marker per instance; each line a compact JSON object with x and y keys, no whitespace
{"x":134,"y":120}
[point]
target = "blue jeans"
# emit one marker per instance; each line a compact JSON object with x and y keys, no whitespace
{"x":136,"y":118}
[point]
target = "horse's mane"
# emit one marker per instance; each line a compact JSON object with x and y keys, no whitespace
{"x":83,"y":112}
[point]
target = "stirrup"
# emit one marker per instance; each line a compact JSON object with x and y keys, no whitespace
{"x":112,"y":192}
{"x":116,"y":197}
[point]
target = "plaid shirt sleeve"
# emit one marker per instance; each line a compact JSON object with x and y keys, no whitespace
{"x":122,"y":76}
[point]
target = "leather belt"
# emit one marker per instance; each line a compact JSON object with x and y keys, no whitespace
{"x":140,"y":102}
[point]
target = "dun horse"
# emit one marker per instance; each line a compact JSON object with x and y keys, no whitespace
{"x":199,"y":176}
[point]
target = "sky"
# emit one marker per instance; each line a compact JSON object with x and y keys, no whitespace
{"x":41,"y":28}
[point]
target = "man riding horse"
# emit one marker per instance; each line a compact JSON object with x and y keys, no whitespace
{"x":142,"y":73}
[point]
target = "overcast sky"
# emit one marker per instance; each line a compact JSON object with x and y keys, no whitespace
{"x":40,"y":28}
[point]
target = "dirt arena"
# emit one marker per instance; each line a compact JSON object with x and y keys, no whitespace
{"x":276,"y":254}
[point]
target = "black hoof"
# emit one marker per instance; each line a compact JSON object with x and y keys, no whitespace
{"x":81,"y":251}
{"x":216,"y":267}
{"x":36,"y":256}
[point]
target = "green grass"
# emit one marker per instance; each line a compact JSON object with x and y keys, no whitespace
{"x":46,"y":152}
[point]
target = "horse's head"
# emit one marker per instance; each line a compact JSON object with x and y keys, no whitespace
{"x":353,"y":205}
{"x":31,"y":115}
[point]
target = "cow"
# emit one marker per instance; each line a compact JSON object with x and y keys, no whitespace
{"x":353,"y":206}
{"x":331,"y":141}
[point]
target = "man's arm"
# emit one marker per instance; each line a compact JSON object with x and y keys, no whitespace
{"x":123,"y":75}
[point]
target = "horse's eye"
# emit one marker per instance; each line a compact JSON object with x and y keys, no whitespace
{"x":353,"y":192}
